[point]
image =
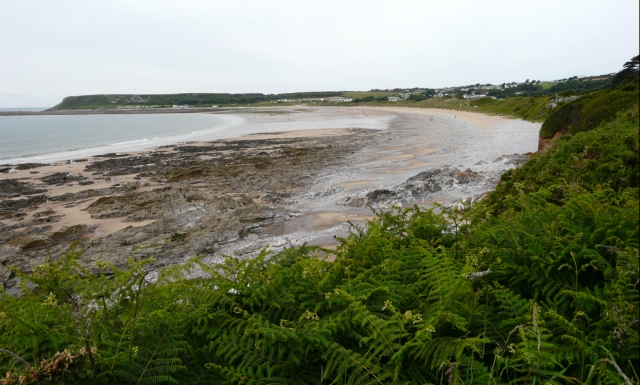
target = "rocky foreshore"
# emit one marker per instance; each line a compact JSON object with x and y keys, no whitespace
{"x":179,"y":201}
{"x":235,"y":196}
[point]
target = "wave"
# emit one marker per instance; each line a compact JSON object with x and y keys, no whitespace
{"x":129,"y":142}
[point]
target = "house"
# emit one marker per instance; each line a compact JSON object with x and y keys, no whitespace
{"x":339,"y":99}
{"x":474,"y":96}
{"x":399,"y":98}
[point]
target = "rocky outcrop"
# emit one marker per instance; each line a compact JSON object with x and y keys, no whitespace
{"x":546,"y":143}
{"x":17,"y":207}
{"x":422,"y":187}
{"x":61,"y":178}
{"x":416,"y":189}
{"x":11,"y":188}
{"x":72,"y":233}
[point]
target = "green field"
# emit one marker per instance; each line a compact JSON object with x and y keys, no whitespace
{"x":546,"y":85}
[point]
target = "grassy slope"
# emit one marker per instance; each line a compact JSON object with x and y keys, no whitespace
{"x":588,"y":112}
{"x":529,"y":108}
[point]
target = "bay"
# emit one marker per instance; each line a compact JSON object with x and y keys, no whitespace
{"x":48,"y":138}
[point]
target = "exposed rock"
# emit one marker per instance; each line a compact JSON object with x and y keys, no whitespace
{"x":417,"y":188}
{"x":211,"y":195}
{"x":61,"y":178}
{"x":147,"y":164}
{"x":71,"y":234}
{"x":140,"y":237}
{"x":28,"y":166}
{"x":86,"y":194}
{"x":513,"y":159}
{"x":30,"y":242}
{"x":545,"y":143}
{"x":45,"y":213}
{"x":9,"y":208}
{"x":5,"y":274}
{"x":11,"y":188}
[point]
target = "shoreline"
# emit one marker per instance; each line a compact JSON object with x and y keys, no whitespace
{"x":285,"y":179}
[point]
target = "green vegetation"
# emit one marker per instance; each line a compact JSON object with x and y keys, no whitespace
{"x":598,"y":98}
{"x":573,"y":85}
{"x":627,"y":79}
{"x":529,"y":108}
{"x":588,"y":112}
{"x":591,"y":110}
{"x":524,"y":100}
{"x":538,"y":283}
{"x":546,"y":85}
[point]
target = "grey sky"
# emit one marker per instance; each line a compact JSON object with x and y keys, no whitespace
{"x":53,"y":49}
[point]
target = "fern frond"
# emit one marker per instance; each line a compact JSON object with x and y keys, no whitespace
{"x":348,"y":367}
{"x":446,"y":350}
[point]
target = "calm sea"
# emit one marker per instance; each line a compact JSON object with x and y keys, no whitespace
{"x":48,"y":138}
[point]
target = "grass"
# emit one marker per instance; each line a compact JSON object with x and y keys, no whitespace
{"x":546,"y":85}
{"x":532,"y":109}
{"x":588,"y":112}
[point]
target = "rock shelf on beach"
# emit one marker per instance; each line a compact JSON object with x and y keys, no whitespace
{"x":194,"y":197}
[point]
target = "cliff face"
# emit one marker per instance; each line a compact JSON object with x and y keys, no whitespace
{"x":545,"y":144}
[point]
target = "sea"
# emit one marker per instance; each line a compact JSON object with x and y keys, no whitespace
{"x":50,"y":138}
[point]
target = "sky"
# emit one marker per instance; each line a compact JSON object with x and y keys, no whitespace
{"x":53,"y":49}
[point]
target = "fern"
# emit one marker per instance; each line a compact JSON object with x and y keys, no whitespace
{"x":347,"y":367}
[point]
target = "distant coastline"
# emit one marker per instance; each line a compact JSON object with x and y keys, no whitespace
{"x":118,"y":111}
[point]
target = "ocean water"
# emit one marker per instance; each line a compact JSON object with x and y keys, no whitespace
{"x":48,"y":138}
{"x":31,"y":109}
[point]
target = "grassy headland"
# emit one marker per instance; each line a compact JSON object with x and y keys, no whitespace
{"x":112,"y":101}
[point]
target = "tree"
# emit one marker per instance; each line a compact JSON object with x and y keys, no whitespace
{"x":628,"y":77}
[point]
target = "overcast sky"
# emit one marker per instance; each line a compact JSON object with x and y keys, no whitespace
{"x":53,"y":49}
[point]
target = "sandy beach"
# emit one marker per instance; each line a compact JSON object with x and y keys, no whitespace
{"x":279,"y":176}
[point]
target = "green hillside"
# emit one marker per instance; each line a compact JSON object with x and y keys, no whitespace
{"x":535,"y":109}
{"x":588,"y":112}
